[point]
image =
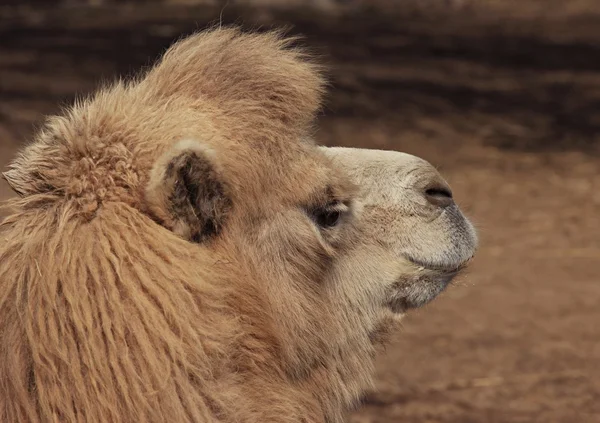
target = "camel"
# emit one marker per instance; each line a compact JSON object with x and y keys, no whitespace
{"x":181,"y":250}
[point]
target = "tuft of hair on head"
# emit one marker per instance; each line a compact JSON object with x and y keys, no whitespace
{"x":260,"y":80}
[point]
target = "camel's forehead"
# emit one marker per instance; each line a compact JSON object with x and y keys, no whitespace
{"x":289,"y":171}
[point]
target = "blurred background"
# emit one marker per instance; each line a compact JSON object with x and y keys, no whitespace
{"x":503,"y":96}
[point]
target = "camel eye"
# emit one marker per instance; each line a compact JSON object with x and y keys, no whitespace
{"x":327,"y":218}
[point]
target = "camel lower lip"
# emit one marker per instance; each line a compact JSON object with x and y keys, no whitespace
{"x":426,"y":286}
{"x":421,"y":293}
{"x":445,"y":269}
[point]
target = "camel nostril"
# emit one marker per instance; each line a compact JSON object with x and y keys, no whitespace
{"x":440,"y":196}
{"x":439,"y":192}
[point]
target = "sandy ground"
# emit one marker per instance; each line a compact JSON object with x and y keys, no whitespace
{"x":509,"y":112}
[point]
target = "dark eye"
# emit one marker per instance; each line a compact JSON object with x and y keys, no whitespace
{"x":327,"y":218}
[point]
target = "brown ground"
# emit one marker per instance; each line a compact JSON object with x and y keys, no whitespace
{"x":507,"y":106}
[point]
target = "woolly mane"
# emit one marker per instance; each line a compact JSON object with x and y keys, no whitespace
{"x":104,"y":319}
{"x":105,"y":315}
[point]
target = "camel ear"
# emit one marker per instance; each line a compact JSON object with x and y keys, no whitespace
{"x":187,"y":192}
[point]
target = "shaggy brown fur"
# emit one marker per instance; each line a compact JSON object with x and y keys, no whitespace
{"x":105,"y":316}
{"x":182,"y":252}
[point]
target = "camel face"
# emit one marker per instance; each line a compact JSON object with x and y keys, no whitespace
{"x":409,"y":214}
{"x":331,"y":235}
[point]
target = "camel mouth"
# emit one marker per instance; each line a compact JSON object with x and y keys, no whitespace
{"x":450,"y":268}
{"x":418,"y":292}
{"x":423,"y":287}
